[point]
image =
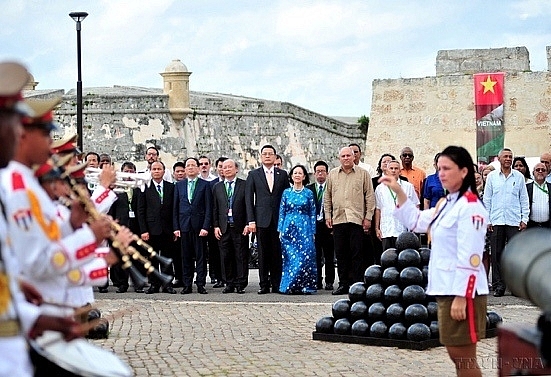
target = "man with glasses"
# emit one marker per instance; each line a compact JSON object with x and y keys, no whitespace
{"x":539,"y":195}
{"x":415,"y":175}
{"x":204,"y":169}
{"x":263,"y":190}
{"x":506,"y":200}
{"x":152,"y":155}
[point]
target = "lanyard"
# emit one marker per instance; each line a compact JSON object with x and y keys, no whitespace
{"x":392,"y":194}
{"x":542,"y":187}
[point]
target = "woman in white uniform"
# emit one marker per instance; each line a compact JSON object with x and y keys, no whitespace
{"x":457,"y":226}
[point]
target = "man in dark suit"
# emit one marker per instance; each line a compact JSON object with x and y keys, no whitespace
{"x":263,"y":191}
{"x":215,"y":263}
{"x":120,"y":211}
{"x":155,"y":206}
{"x":324,"y":236}
{"x":231,"y":229}
{"x":539,"y":196}
{"x":191,"y":220}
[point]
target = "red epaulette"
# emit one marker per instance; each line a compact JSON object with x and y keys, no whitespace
{"x":17,"y":181}
{"x":471,"y":197}
{"x":102,"y":197}
{"x":98,"y":273}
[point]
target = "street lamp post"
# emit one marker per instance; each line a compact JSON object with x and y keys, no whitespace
{"x":78,"y":17}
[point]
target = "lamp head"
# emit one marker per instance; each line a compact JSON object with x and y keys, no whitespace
{"x":78,"y":16}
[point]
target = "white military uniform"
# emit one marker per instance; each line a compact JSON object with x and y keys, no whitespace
{"x":17,"y":316}
{"x":48,"y":259}
{"x":457,"y":228}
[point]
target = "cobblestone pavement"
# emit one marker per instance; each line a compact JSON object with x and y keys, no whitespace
{"x":263,"y":335}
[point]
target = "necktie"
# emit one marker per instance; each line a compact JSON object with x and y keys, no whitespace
{"x":270,"y":178}
{"x":320,"y":193}
{"x":229,"y":192}
{"x":160,"y":191}
{"x":191,"y":190}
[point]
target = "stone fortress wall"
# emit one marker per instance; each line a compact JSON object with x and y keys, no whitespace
{"x":124,"y":121}
{"x":431,"y":113}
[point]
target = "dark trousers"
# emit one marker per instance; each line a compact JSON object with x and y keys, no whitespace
{"x":269,"y":257}
{"x":234,"y":255}
{"x":533,"y":224}
{"x":325,"y":253}
{"x":193,"y":258}
{"x":164,"y":245}
{"x":498,"y":239}
{"x":177,"y":259}
{"x":215,"y":271}
{"x":118,"y":275}
{"x":388,"y":242}
{"x":348,"y":239}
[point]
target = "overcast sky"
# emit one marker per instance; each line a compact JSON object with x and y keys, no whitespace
{"x":321,"y":55}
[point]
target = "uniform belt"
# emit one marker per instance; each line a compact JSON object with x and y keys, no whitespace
{"x":9,"y":328}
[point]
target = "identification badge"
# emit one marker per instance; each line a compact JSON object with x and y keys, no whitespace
{"x":131,"y":214}
{"x":230,"y":212}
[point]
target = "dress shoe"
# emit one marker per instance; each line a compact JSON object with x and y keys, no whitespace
{"x":240,"y":290}
{"x":151,"y":290}
{"x":263,"y":291}
{"x":185,"y":291}
{"x":275,"y":290}
{"x":328,"y":287}
{"x":103,"y":290}
{"x":219,"y":284}
{"x":170,"y":290}
{"x":121,"y":289}
{"x":178,"y":284}
{"x":342,"y":290}
{"x":320,"y":286}
{"x":228,"y":289}
{"x":201,"y":290}
{"x":499,"y":292}
{"x":139,"y":290}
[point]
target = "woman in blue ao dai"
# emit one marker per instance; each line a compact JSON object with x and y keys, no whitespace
{"x":297,"y":225}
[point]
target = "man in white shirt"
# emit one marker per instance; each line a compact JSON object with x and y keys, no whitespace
{"x":386,"y":226}
{"x":357,"y":160}
{"x":539,"y":192}
{"x":205,"y":169}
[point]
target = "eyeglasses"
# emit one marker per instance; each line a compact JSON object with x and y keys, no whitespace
{"x":204,"y":164}
{"x":540,"y":170}
{"x":267,"y":154}
{"x":406,"y":155}
{"x":320,"y":171}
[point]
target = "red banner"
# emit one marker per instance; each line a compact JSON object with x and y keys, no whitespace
{"x":488,"y":101}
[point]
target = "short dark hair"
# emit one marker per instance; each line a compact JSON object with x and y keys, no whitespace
{"x":279,"y":157}
{"x":160,"y":162}
{"x":268,"y":146}
{"x":128,"y":164}
{"x":156,"y":150}
{"x":306,"y":179}
{"x":178,"y":164}
{"x":220,"y":159}
{"x":191,"y":158}
{"x":355,"y":145}
{"x":321,"y":163}
{"x":203,"y":156}
{"x":90,"y":154}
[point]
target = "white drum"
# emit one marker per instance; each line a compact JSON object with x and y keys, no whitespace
{"x":80,"y":357}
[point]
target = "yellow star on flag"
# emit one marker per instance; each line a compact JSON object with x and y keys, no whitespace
{"x":488,"y":85}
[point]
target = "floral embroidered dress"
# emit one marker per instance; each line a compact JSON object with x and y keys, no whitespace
{"x":297,"y":225}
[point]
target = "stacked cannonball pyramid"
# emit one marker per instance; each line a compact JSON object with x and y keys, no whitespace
{"x":391,"y":302}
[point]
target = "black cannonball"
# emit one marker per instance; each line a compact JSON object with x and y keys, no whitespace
{"x":407,"y":240}
{"x":414,"y":294}
{"x":425,"y":275}
{"x":341,"y":308}
{"x":432,"y":308}
{"x":409,"y":258}
{"x":100,"y":331}
{"x":393,"y":294}
{"x":356,"y":292}
{"x":389,"y":258}
{"x":374,"y":293}
{"x":493,"y":319}
{"x":325,"y":325}
{"x":434,"y":330}
{"x":358,"y":310}
{"x":424,"y":252}
{"x":342,"y":326}
{"x":376,"y":312}
{"x":411,"y":276}
{"x":391,"y":276}
{"x":360,"y":328}
{"x":378,"y":330}
{"x":93,"y":314}
{"x":418,"y":332}
{"x":372,"y":274}
{"x":395,"y":313}
{"x":416,"y":313}
{"x":397,"y":331}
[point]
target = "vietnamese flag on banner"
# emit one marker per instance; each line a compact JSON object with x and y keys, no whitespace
{"x":488,"y":101}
